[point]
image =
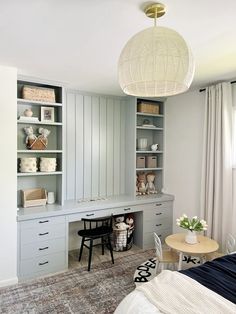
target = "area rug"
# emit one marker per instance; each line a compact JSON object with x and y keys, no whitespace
{"x":76,"y":291}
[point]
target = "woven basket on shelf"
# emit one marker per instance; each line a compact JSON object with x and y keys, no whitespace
{"x":37,"y":144}
{"x":38,"y":93}
{"x":146,"y":107}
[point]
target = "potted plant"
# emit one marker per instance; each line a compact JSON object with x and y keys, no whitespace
{"x":192,"y":225}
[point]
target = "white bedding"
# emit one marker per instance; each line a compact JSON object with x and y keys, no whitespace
{"x":174,"y":293}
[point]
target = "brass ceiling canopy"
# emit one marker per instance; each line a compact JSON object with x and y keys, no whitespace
{"x":155,"y":10}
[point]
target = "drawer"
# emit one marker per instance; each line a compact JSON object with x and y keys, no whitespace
{"x":42,"y":233}
{"x":126,"y":210}
{"x":90,"y":214}
{"x":35,"y":223}
{"x":43,"y":248}
{"x":157,"y":212}
{"x":148,"y":238}
{"x":157,"y":224}
{"x":43,"y":265}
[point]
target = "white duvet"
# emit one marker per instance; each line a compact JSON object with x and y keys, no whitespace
{"x":174,"y":293}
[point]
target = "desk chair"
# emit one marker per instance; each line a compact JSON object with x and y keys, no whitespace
{"x":230,"y":247}
{"x":164,"y":257}
{"x":100,"y":228}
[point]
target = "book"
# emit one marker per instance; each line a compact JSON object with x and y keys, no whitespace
{"x":27,"y":119}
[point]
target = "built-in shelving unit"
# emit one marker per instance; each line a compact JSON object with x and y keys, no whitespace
{"x":51,"y":181}
{"x":154,"y":134}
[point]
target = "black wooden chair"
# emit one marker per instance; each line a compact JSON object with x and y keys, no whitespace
{"x":100,"y":228}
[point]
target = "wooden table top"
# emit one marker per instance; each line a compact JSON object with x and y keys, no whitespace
{"x":205,"y":245}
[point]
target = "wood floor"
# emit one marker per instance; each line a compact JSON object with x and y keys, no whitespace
{"x":97,"y":256}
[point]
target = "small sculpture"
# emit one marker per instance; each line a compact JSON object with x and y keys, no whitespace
{"x":141,"y":183}
{"x":150,"y":187}
{"x":44,"y":134}
{"x":28,"y":112}
{"x":29,"y":134}
{"x":154,"y":147}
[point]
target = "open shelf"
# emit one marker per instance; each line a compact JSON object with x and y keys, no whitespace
{"x":149,"y":152}
{"x":150,"y":114}
{"x":39,"y":122}
{"x":146,"y":169}
{"x":30,"y":174}
{"x":38,"y":103}
{"x":149,"y":128}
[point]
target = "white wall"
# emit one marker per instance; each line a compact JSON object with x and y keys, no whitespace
{"x":183,"y":151}
{"x":8,"y":184}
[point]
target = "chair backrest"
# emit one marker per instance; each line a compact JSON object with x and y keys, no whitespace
{"x":230,"y":243}
{"x":158,"y":246}
{"x":97,"y":222}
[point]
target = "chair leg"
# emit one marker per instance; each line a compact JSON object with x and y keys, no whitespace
{"x":102,"y":246}
{"x":110,"y":248}
{"x":81,"y":249}
{"x":90,"y":253}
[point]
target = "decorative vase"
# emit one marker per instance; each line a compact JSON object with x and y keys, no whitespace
{"x":191,"y":237}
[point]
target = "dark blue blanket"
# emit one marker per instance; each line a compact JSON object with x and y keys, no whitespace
{"x":218,"y":275}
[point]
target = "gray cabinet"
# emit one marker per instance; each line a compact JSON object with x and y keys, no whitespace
{"x":155,"y":217}
{"x":42,"y":247}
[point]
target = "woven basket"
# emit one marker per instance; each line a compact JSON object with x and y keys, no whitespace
{"x":37,"y":144}
{"x":146,"y":107}
{"x":38,"y":93}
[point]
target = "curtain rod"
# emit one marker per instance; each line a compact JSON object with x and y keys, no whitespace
{"x":203,"y":89}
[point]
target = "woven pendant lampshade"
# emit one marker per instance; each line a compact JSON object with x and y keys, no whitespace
{"x":156,"y":62}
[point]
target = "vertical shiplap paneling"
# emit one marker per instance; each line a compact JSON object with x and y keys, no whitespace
{"x":116,"y":147}
{"x":70,"y":146}
{"x":79,"y":167}
{"x":110,"y":152}
{"x":95,"y":146}
{"x":103,"y":147}
{"x":87,"y":146}
{"x":122,"y":146}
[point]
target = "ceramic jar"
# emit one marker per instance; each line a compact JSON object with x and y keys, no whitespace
{"x":48,"y":164}
{"x":28,"y":112}
{"x":28,"y":164}
{"x":191,"y":237}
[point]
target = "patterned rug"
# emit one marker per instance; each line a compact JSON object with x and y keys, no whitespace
{"x":76,"y":291}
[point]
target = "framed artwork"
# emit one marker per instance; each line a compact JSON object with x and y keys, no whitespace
{"x":47,"y":114}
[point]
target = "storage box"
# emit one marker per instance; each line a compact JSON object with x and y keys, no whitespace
{"x":37,"y":144}
{"x":33,"y":197}
{"x":48,"y":164}
{"x":38,"y":93}
{"x":140,"y":162}
{"x":28,"y":164}
{"x":151,"y":162}
{"x":147,"y":107}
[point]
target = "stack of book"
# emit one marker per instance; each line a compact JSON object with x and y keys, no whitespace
{"x":28,"y":119}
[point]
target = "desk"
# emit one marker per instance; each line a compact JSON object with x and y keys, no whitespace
{"x":204,"y":246}
{"x":43,"y":232}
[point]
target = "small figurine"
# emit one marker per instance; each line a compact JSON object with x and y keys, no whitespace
{"x":150,"y":187}
{"x":154,"y":147}
{"x":28,"y":112}
{"x":141,"y":183}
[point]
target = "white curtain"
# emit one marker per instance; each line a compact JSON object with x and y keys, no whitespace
{"x":217,"y":175}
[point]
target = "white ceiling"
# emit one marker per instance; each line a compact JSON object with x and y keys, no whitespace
{"x":78,"y":42}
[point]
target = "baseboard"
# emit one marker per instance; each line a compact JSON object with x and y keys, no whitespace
{"x":8,"y":282}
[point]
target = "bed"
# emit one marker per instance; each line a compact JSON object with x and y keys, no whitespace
{"x":209,"y":288}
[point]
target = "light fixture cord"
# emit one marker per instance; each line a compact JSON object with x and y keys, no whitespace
{"x":155,"y":18}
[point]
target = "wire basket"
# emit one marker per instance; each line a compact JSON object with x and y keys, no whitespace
{"x":122,"y":239}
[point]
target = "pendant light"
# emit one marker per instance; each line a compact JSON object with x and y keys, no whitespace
{"x":156,"y":61}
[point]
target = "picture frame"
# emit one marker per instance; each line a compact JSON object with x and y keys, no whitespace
{"x":47,"y":114}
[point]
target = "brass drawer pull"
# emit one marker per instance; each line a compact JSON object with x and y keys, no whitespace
{"x":158,"y":204}
{"x":41,"y":264}
{"x":127,"y":208}
{"x":158,"y":214}
{"x":43,"y":248}
{"x":158,"y":225}
{"x":43,"y":222}
{"x":42,"y":234}
{"x":88,"y":215}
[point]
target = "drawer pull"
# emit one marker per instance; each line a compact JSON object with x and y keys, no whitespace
{"x":43,"y":248}
{"x":158,"y":225}
{"x":127,"y":208}
{"x":43,"y":222}
{"x":41,"y":264}
{"x":42,"y":234}
{"x":158,"y":204}
{"x":158,"y":214}
{"x":88,"y":215}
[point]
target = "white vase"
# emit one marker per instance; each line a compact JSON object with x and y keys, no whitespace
{"x":191,"y":237}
